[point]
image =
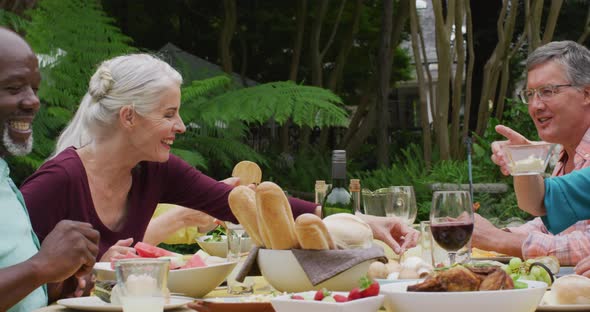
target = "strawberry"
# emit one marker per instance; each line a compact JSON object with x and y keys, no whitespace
{"x":320,"y":294}
{"x":297,"y":297}
{"x":369,"y":287}
{"x":340,"y":298}
{"x":354,"y":294}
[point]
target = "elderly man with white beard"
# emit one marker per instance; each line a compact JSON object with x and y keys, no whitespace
{"x":31,"y":274}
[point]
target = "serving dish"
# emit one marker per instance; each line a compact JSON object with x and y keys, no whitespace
{"x":397,"y":299}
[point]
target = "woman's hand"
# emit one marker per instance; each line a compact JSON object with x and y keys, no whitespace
{"x":118,"y":250}
{"x":392,"y":231}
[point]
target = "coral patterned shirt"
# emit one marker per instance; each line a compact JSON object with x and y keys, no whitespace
{"x":571,"y":245}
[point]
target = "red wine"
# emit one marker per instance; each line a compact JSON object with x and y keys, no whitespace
{"x":453,"y":235}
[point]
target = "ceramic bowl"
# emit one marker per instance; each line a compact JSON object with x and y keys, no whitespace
{"x":283,"y":272}
{"x":192,"y":282}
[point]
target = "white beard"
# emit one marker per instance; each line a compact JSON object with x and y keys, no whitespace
{"x":17,"y":149}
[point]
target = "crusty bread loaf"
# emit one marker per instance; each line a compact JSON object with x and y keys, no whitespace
{"x":275,"y":216}
{"x":312,"y":233}
{"x":242,"y":201}
{"x":248,"y":172}
{"x":349,"y":231}
{"x":571,"y":289}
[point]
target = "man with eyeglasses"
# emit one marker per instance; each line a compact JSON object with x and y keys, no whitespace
{"x":558,"y":99}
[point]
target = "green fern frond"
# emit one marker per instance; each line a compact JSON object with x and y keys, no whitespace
{"x":200,"y":88}
{"x":226,"y":151}
{"x":194,"y":158}
{"x":12,"y":21}
{"x":306,"y":105}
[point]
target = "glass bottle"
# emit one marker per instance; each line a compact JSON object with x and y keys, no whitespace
{"x":338,"y":198}
{"x":320,"y":191}
{"x":355,"y":194}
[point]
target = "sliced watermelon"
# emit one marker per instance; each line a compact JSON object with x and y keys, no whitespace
{"x":149,"y":251}
{"x":195,"y":262}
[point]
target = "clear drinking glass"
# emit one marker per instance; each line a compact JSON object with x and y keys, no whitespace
{"x":143,"y":284}
{"x":403,"y":204}
{"x":451,"y":220}
{"x":234,"y":240}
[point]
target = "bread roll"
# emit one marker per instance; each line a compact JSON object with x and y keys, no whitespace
{"x":276,"y":217}
{"x":571,"y":289}
{"x":349,"y":231}
{"x":312,"y":233}
{"x":242,"y":201}
{"x":248,"y":172}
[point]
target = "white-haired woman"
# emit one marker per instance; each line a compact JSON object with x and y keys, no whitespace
{"x":112,"y":164}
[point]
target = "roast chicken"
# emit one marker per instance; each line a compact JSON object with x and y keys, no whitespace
{"x":466,"y":278}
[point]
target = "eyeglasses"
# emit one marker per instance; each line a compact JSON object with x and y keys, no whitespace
{"x":544,"y":92}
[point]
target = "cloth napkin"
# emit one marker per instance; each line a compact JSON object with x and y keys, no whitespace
{"x":319,"y":265}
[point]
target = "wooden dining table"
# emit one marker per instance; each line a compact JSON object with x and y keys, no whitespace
{"x":261,"y":287}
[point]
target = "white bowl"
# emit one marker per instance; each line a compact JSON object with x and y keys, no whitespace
{"x":219,"y":249}
{"x":286,"y":304}
{"x":282,"y":271}
{"x":528,"y":159}
{"x":397,"y":299}
{"x":193,"y":282}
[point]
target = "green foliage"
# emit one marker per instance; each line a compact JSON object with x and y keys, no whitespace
{"x":12,"y":21}
{"x":306,"y":105}
{"x":71,"y":37}
{"x":299,"y":171}
{"x":200,"y":88}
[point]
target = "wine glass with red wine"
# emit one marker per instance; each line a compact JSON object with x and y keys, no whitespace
{"x":451,"y":220}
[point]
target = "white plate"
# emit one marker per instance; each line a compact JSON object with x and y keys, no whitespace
{"x":286,"y":304}
{"x":398,"y":299}
{"x":94,"y":303}
{"x":543,"y":306}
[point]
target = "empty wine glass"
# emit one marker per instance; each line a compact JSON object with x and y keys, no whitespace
{"x":403,"y":203}
{"x":451,"y":220}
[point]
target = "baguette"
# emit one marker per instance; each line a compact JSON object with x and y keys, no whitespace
{"x":277,"y":224}
{"x":242,"y":201}
{"x":312,"y":233}
{"x":248,"y":172}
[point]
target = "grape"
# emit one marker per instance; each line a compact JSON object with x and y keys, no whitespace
{"x":536,"y":272}
{"x":514,"y":264}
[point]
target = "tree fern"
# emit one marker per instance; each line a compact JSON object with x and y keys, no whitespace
{"x":12,"y":21}
{"x":200,"y":88}
{"x":75,"y":35}
{"x":306,"y":105}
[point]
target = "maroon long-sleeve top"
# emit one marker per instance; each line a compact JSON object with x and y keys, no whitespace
{"x":59,"y":190}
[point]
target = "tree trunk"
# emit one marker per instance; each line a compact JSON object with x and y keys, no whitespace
{"x":300,"y":17}
{"x":384,"y":77}
{"x":316,"y":61}
{"x":493,"y":67}
{"x":456,"y":141}
{"x":325,"y":132}
{"x":227,"y":32}
{"x":422,"y":87}
{"x":361,"y":112}
{"x":552,"y":20}
{"x":336,"y":74}
{"x":444,"y":77}
{"x":586,"y":31}
{"x":469,"y":78}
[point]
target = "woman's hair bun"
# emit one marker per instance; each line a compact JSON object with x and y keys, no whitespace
{"x":101,"y":83}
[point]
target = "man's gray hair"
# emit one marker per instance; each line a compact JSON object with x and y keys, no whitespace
{"x":574,"y":57}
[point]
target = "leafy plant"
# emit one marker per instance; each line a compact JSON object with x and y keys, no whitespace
{"x":71,"y":37}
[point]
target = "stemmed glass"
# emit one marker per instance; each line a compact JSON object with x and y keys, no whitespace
{"x":404,"y":203}
{"x":451,"y":220}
